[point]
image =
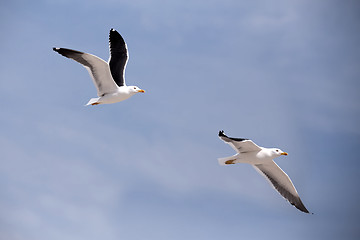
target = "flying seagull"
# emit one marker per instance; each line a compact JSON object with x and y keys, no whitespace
{"x":262,"y":160}
{"x":108,"y":77}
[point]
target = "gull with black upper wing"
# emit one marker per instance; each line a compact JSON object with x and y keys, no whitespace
{"x":108,"y":77}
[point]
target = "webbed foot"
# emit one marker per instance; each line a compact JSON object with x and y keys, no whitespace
{"x":230,"y":162}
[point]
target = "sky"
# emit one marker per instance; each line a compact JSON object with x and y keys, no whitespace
{"x":282,"y":73}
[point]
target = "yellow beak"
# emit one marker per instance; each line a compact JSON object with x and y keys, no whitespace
{"x":141,"y":90}
{"x":284,"y":153}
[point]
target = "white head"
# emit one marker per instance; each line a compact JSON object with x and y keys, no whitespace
{"x":135,"y":89}
{"x":275,"y":152}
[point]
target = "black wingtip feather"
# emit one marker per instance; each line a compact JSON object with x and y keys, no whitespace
{"x":114,"y":33}
{"x":66,"y":52}
{"x":222,"y":134}
{"x":299,"y":205}
{"x":117,"y":42}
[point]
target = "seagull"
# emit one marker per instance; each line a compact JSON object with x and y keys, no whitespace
{"x":108,"y":77}
{"x":262,"y":160}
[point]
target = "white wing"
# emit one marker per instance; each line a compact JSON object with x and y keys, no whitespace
{"x":98,"y":69}
{"x":241,"y":145}
{"x":281,"y":182}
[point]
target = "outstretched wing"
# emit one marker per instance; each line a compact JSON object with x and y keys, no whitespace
{"x":118,"y":57}
{"x":281,"y":182}
{"x":98,"y":69}
{"x":241,"y":145}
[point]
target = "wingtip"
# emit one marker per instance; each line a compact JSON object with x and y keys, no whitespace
{"x":300,"y":205}
{"x":55,"y":49}
{"x":221,"y":133}
{"x":307,"y":211}
{"x":112,"y":33}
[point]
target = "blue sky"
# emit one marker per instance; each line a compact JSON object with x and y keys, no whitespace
{"x":283,"y":73}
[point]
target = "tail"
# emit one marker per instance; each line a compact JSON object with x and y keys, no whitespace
{"x":227,"y":160}
{"x":93,"y":101}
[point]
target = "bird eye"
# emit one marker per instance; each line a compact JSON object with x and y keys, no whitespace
{"x":277,"y":150}
{"x":134,"y":87}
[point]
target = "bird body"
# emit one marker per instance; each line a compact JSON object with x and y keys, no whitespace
{"x":120,"y":94}
{"x":263,"y":155}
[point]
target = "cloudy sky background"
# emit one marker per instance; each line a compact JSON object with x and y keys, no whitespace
{"x":283,"y":73}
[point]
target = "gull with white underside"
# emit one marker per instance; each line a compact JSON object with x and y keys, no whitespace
{"x":262,"y":160}
{"x":108,"y":77}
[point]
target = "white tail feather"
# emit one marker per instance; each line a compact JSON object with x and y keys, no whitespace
{"x":92,"y":101}
{"x":222,"y":161}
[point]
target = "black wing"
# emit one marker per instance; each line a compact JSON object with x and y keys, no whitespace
{"x":118,"y":57}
